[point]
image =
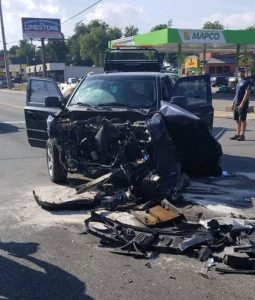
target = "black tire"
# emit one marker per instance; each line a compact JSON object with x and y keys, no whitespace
{"x":56,"y":171}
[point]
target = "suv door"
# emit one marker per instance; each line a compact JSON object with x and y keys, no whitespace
{"x":195,"y":95}
{"x":36,"y":112}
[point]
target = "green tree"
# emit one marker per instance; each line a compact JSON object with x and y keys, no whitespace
{"x":37,"y":59}
{"x":12,"y":50}
{"x":25,"y":49}
{"x":73,"y":45}
{"x":74,"y":42}
{"x":97,"y":23}
{"x":73,"y":54}
{"x":93,"y":45}
{"x":1,"y":58}
{"x":113,"y":33}
{"x":89,"y":42}
{"x":250,"y":28}
{"x":130,"y":30}
{"x":56,"y":50}
{"x":213,"y":25}
{"x":158,"y":27}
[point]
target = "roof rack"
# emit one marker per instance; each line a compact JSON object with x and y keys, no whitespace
{"x":131,"y":58}
{"x":119,"y":46}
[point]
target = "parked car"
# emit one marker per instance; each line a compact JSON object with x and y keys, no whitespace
{"x":220,"y":80}
{"x":71,"y":82}
{"x":106,"y":118}
{"x":173,"y":76}
{"x":17,"y":80}
{"x":3,"y":84}
{"x":252,"y":80}
{"x":212,"y":80}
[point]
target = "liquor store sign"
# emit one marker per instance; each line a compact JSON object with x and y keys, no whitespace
{"x":37,"y":28}
{"x":202,"y":36}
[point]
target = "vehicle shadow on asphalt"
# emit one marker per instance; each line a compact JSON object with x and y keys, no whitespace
{"x":18,"y":281}
{"x":218,"y":132}
{"x":235,"y":163}
{"x":8,"y":128}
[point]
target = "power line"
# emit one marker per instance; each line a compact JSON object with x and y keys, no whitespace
{"x":82,"y":11}
{"x":15,"y":42}
{"x":67,"y":19}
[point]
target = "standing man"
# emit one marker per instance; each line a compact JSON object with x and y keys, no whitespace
{"x":240,"y":105}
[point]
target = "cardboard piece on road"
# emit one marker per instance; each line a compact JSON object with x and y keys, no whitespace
{"x":156,"y":216}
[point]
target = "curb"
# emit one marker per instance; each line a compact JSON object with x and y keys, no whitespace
{"x":229,"y":115}
{"x":13,"y":91}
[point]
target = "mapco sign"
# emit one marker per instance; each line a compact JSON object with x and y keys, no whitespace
{"x":202,"y":36}
{"x":37,"y":28}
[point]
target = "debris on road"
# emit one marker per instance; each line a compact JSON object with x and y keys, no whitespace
{"x":207,"y":265}
{"x":143,"y":168}
{"x":76,"y":204}
{"x":225,"y":243}
{"x":156,"y":216}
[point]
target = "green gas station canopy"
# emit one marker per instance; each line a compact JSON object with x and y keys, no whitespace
{"x":192,"y":41}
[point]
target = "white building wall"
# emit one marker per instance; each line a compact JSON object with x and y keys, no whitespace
{"x":68,"y":71}
{"x":55,"y":66}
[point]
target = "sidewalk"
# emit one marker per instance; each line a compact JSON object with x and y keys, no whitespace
{"x":222,"y":103}
{"x":229,"y":115}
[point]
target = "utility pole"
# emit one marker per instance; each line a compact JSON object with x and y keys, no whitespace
{"x":4,"y":44}
{"x":34,"y":59}
{"x":43,"y":57}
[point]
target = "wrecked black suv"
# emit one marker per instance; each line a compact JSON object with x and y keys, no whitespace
{"x":131,"y":117}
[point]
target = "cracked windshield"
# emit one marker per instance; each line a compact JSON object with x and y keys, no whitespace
{"x":130,"y":92}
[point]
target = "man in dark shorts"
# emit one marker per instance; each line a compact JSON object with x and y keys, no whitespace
{"x":240,"y":105}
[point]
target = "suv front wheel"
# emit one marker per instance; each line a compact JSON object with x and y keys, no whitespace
{"x":56,"y":171}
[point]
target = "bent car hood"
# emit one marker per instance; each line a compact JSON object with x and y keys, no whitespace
{"x":200,"y":153}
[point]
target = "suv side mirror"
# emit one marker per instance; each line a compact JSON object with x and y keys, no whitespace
{"x":180,"y":101}
{"x":53,"y":102}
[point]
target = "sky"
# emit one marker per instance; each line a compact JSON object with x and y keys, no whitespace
{"x":144,"y":14}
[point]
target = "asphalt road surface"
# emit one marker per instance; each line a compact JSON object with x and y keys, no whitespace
{"x":44,"y":255}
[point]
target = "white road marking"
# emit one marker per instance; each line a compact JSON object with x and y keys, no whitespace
{"x":14,"y":122}
{"x":12,"y":105}
{"x":219,"y":134}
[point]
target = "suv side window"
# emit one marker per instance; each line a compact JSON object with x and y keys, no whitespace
{"x":40,"y":89}
{"x":166,"y":88}
{"x":194,"y":91}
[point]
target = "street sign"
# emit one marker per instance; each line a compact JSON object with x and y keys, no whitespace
{"x":14,"y":68}
{"x":191,"y":62}
{"x":246,"y":61}
{"x":38,"y":28}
